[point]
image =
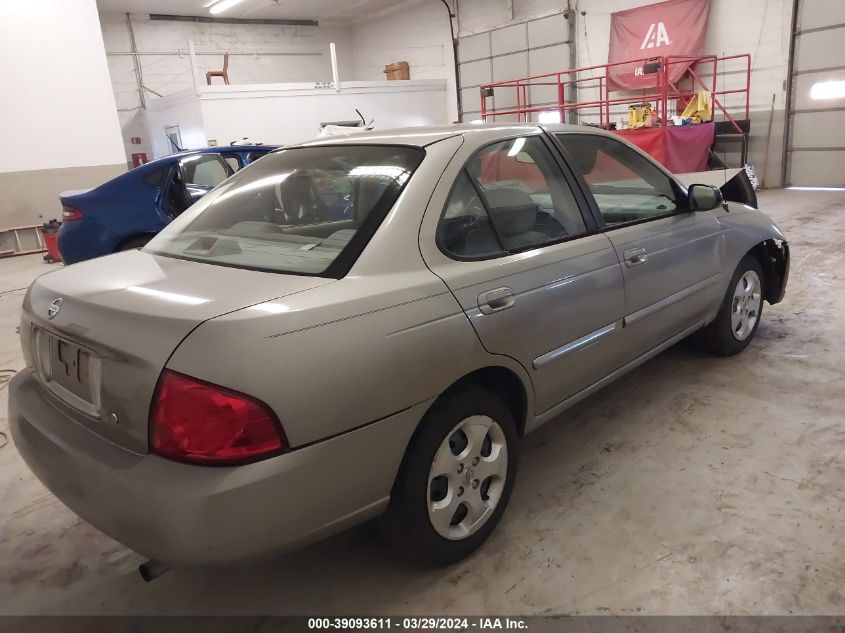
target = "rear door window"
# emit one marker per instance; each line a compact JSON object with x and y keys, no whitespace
{"x":205,"y":170}
{"x":511,"y":196}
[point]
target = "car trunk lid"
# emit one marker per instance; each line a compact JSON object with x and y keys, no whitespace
{"x":99,"y":333}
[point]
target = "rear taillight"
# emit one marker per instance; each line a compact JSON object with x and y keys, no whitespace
{"x":195,"y":421}
{"x":69,"y":214}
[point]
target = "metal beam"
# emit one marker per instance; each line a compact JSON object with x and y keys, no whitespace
{"x":139,"y":77}
{"x":572,"y":115}
{"x":784,"y":165}
{"x":203,"y":18}
{"x":821,"y":28}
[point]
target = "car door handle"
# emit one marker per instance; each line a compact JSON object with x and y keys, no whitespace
{"x":496,"y":300}
{"x":635,"y":256}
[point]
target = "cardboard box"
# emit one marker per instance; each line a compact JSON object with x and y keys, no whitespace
{"x":399,"y":70}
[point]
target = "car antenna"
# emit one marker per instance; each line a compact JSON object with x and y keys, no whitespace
{"x":364,"y":124}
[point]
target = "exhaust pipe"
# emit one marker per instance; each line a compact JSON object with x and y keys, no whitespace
{"x":152,"y":569}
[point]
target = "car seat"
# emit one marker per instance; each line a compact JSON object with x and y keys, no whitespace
{"x":514,"y":214}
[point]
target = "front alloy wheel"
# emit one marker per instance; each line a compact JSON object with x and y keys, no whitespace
{"x":740,"y":312}
{"x":745,"y":308}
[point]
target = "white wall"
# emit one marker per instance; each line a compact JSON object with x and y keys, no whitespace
{"x":182,"y":109}
{"x":280,"y":114}
{"x":417,"y":32}
{"x":284,"y":115}
{"x":57,"y":108}
{"x":258,"y":54}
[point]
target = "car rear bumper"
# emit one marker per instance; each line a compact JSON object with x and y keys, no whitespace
{"x":83,"y":239}
{"x":186,"y":514}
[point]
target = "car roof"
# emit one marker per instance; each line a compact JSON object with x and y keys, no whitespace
{"x":426,"y":135}
{"x":218,"y":149}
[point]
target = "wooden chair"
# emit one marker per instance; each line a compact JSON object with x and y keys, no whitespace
{"x":219,"y":73}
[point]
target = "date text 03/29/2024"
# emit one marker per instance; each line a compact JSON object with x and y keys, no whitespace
{"x":419,"y":623}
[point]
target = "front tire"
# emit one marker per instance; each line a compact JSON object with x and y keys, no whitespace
{"x":740,"y":313}
{"x":456,"y":478}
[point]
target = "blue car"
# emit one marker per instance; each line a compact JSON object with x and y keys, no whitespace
{"x":127,"y":211}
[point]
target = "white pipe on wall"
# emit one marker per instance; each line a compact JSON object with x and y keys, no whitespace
{"x":213,"y":53}
{"x":193,"y":56}
{"x":335,"y":73}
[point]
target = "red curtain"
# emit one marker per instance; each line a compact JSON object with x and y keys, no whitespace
{"x":683,"y":149}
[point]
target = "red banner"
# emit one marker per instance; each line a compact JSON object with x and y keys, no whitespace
{"x":674,"y":27}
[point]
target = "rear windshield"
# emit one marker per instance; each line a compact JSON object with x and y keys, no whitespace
{"x":305,"y":211}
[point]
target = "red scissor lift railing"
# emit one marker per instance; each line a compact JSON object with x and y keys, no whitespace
{"x":662,"y":94}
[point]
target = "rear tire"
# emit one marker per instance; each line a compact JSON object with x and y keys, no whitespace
{"x":134,"y":243}
{"x":740,"y":313}
{"x":439,"y":517}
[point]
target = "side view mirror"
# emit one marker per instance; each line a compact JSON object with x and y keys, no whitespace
{"x":704,"y":197}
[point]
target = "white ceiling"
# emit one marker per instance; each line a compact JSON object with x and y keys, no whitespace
{"x":326,"y":10}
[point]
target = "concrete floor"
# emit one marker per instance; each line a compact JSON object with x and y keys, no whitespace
{"x":695,"y":485}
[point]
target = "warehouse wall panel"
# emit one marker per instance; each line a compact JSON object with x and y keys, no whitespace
{"x":473,"y":74}
{"x":474,"y":47}
{"x":531,"y":45}
{"x":820,"y":129}
{"x":817,"y":169}
{"x":509,"y":39}
{"x":803,"y":86}
{"x":815,"y":152}
{"x":548,"y":31}
{"x":816,"y":50}
{"x":822,"y":13}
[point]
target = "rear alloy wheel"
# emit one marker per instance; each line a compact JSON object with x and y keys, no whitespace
{"x":455,"y":480}
{"x":740,"y":312}
{"x":467,"y":477}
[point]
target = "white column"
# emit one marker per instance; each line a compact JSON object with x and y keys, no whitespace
{"x":57,"y":108}
{"x":59,"y":127}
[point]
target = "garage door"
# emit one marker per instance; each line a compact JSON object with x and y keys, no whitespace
{"x":816,"y":144}
{"x":534,"y":47}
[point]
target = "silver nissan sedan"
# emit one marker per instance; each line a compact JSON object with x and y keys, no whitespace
{"x":363,"y":327}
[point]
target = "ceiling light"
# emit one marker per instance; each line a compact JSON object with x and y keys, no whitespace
{"x":828,"y":90}
{"x":517,"y":146}
{"x":222,"y":6}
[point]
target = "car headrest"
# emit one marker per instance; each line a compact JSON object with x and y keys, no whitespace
{"x":582,"y":151}
{"x":513,"y":211}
